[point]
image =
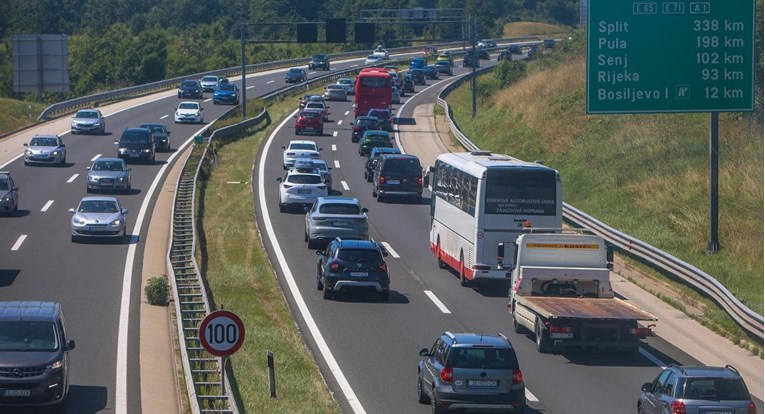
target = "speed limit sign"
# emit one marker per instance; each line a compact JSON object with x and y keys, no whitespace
{"x":221,"y":333}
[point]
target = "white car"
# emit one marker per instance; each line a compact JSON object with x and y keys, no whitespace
{"x":299,"y":149}
{"x":382,"y":53}
{"x":188,"y":111}
{"x":348,"y":84}
{"x":372,"y":60}
{"x":319,"y":106}
{"x":301,"y":188}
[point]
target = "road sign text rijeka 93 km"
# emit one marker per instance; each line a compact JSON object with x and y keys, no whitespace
{"x":670,"y":56}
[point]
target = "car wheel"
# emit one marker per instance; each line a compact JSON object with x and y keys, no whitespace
{"x":434,"y":405}
{"x":311,"y":243}
{"x":517,"y":327}
{"x":374,"y":193}
{"x":26,"y":163}
{"x":282,"y":208}
{"x":441,"y":263}
{"x":88,"y":190}
{"x":384,"y":295}
{"x":319,"y":285}
{"x":125,"y":236}
{"x":543,"y":344}
{"x":422,"y":398}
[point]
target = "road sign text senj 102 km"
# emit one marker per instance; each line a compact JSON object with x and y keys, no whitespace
{"x":670,"y":56}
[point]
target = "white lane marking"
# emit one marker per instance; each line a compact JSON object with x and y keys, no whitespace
{"x":271,"y":81}
{"x":46,"y":206}
{"x":250,"y":87}
{"x":340,"y":122}
{"x":164,"y":116}
{"x":207,"y":100}
{"x":120,"y":392}
{"x":659,"y":363}
{"x":96,"y":157}
{"x":530,"y":396}
{"x":334,"y":133}
{"x":346,"y":113}
{"x":334,"y":367}
{"x":72,"y":178}
{"x":337,"y":164}
{"x":18,"y":242}
{"x":390,"y":250}
{"x":345,"y":185}
{"x":440,"y":305}
{"x":334,"y":147}
{"x":236,"y":182}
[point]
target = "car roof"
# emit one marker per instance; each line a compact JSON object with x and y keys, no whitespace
{"x":29,"y":310}
{"x":376,"y":132}
{"x":706,"y":371}
{"x":468,"y":339}
{"x":99,"y":198}
{"x":357,"y":244}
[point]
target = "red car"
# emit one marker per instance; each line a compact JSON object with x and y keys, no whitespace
{"x":309,"y":120}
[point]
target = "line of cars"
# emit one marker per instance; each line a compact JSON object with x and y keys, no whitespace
{"x":222,"y":89}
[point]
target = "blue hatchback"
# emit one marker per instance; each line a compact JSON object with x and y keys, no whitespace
{"x":226,"y":93}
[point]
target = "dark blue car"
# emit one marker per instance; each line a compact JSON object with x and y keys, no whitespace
{"x":226,"y":93}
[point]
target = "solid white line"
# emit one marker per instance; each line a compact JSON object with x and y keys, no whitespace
{"x":659,"y":363}
{"x":345,"y":185}
{"x":334,"y":147}
{"x":271,"y":81}
{"x":164,"y":116}
{"x":337,"y":164}
{"x":120,"y":392}
{"x":96,"y":157}
{"x":347,"y":112}
{"x":72,"y":178}
{"x":334,"y":133}
{"x":390,"y":250}
{"x":334,"y":367}
{"x":46,"y":206}
{"x":18,"y":242}
{"x":340,"y":122}
{"x":440,"y":305}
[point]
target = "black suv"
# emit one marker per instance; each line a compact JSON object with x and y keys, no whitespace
{"x":363,"y":124}
{"x":471,"y":371}
{"x":190,"y":88}
{"x":34,"y":354}
{"x":398,"y":175}
{"x":352,"y":265}
{"x":471,"y":60}
{"x":696,"y":389}
{"x":318,"y":61}
{"x":136,"y":144}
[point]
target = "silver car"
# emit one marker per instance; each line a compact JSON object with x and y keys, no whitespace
{"x":335,"y":216}
{"x":109,"y":174}
{"x":88,"y":120}
{"x":98,"y":217}
{"x":9,"y":194}
{"x":299,"y":149}
{"x":348,"y":84}
{"x":209,"y":82}
{"x":45,"y":149}
{"x":335,"y":92}
{"x":395,"y":95}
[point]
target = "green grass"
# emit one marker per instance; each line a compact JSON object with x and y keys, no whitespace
{"x":17,"y":114}
{"x":242,"y":280}
{"x":645,"y":175}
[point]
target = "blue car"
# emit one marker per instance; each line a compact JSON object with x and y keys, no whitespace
{"x":226,"y":93}
{"x":417,"y":63}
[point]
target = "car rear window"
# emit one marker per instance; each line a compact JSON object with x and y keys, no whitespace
{"x":339,"y":209}
{"x":715,"y":389}
{"x":97,"y":206}
{"x":309,"y":115}
{"x":303,"y":147}
{"x":484,"y":358}
{"x":403,"y":165}
{"x":359,"y":255}
{"x":304,"y":179}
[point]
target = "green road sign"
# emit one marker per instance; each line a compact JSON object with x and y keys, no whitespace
{"x":670,"y":56}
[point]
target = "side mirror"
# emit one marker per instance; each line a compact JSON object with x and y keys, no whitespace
{"x":294,"y":116}
{"x":364,"y":210}
{"x":87,"y":168}
{"x":168,"y":133}
{"x":69,"y":345}
{"x":124,"y":211}
{"x":71,"y":210}
{"x":306,"y":209}
{"x":279,"y":179}
{"x":647,"y":387}
{"x":426,"y":181}
{"x":284,"y":147}
{"x":26,"y":145}
{"x":321,"y":149}
{"x":318,"y":252}
{"x":129,"y":169}
{"x":424,"y":352}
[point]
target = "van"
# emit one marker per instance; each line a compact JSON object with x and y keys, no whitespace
{"x":398,"y":175}
{"x":34,"y":354}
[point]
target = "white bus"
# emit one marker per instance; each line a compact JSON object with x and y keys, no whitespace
{"x":480,"y":203}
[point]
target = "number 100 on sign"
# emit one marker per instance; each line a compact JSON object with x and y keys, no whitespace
{"x":221,"y":333}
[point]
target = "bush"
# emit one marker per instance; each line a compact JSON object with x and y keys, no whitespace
{"x":157,"y":291}
{"x":509,"y":72}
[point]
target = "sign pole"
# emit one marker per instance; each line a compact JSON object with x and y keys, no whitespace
{"x":714,"y":243}
{"x":223,"y":375}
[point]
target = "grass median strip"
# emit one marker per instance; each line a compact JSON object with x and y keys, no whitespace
{"x":242,"y":280}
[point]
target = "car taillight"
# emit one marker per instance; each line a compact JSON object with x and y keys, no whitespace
{"x":517,"y":377}
{"x":566,"y":329}
{"x":381,"y":180}
{"x":751,"y":409}
{"x":419,"y":181}
{"x":384,"y":267}
{"x":446,"y":374}
{"x":334,"y":266}
{"x":677,"y":407}
{"x":641,"y":332}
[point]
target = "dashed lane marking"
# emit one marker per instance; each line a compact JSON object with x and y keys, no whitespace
{"x":72,"y":178}
{"x":345,"y":185}
{"x":390,"y":250}
{"x":17,"y":245}
{"x":46,"y":206}
{"x":337,"y":165}
{"x":440,"y":305}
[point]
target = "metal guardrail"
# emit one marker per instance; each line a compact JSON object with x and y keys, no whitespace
{"x":749,"y":320}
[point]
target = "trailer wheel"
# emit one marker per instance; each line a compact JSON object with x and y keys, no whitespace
{"x":517,"y":327}
{"x":543,"y":344}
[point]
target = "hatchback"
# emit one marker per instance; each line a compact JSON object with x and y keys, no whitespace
{"x":160,"y":133}
{"x":190,"y":89}
{"x":309,"y":120}
{"x":348,"y":84}
{"x":45,"y":149}
{"x":431,"y":72}
{"x":98,"y":217}
{"x":468,"y":371}
{"x":299,"y":149}
{"x":335,"y":216}
{"x":363,"y":124}
{"x":335,"y":92}
{"x":226,"y":93}
{"x":209,"y":82}
{"x":444,"y":67}
{"x":374,"y":158}
{"x":34,"y":354}
{"x":189,"y":112}
{"x":295,"y":75}
{"x":696,"y":390}
{"x":374,"y":139}
{"x":346,"y":265}
{"x":384,"y":116}
{"x":108,"y":174}
{"x":418,"y":76}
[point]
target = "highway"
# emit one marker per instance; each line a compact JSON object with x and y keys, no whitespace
{"x":373,"y":345}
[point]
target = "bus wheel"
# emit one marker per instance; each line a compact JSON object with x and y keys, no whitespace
{"x":463,"y":279}
{"x":441,"y":263}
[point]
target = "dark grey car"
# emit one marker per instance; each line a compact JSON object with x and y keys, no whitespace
{"x":34,"y":354}
{"x":136,"y":144}
{"x":9,"y":194}
{"x":335,"y":216}
{"x":696,"y":390}
{"x":467,"y":371}
{"x":397,"y":175}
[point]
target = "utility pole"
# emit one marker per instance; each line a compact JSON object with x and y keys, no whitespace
{"x":244,"y":75}
{"x":474,"y":60}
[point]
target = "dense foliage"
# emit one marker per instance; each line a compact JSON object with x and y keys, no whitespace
{"x":118,"y":43}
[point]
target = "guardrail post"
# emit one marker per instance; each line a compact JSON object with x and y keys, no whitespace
{"x":271,"y":375}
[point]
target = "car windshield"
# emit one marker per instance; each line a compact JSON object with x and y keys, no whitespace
{"x":28,"y":336}
{"x":294,"y":71}
{"x":4,"y":185}
{"x":404,"y":165}
{"x":133,"y":137}
{"x":303,"y":146}
{"x":210,"y":79}
{"x":189,"y":84}
{"x":339,"y":209}
{"x":483,"y":358}
{"x":715,"y":389}
{"x":188,"y":105}
{"x":226,"y":87}
{"x":107,"y":166}
{"x":98,"y":206}
{"x":359,"y":255}
{"x":153,"y":128}
{"x":319,"y":57}
{"x":87,"y":114}
{"x":44,"y":142}
{"x":304,"y":179}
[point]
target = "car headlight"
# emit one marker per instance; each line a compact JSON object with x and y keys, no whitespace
{"x":116,"y":222}
{"x":28,"y":152}
{"x":55,"y":153}
{"x":146,"y":150}
{"x":78,"y":221}
{"x":74,"y":124}
{"x":92,"y":179}
{"x":121,"y":178}
{"x":55,"y":365}
{"x":97,"y":123}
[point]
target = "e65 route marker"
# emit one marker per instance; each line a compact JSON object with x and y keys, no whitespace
{"x":221,"y":333}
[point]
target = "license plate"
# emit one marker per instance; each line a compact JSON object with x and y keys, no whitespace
{"x":340,"y":223}
{"x":717,"y":412}
{"x":304,"y":191}
{"x":95,"y":229}
{"x":133,"y":155}
{"x":561,"y":335}
{"x":359,"y":274}
{"x":17,"y":393}
{"x":393,"y":182}
{"x":482,"y":383}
